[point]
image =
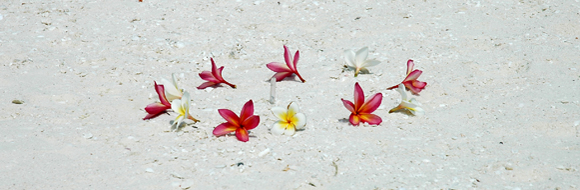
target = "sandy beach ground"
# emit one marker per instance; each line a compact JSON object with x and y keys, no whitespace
{"x":502,"y":102}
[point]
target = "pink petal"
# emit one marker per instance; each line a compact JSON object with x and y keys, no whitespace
{"x":415,"y":89}
{"x":287,"y":57}
{"x":371,"y":119}
{"x":393,"y":87}
{"x":413,"y":75}
{"x":354,"y":119}
{"x":160,"y":89}
{"x":410,"y":65}
{"x":280,"y":76}
{"x":247,"y":110}
{"x":372,"y":104}
{"x":230,"y":116}
{"x":205,"y":85}
{"x":296,"y":57}
{"x":214,"y":71}
{"x":419,"y":84}
{"x":156,"y":108}
{"x":349,"y":105}
{"x":359,"y":96}
{"x":278,"y":67}
{"x":242,"y":134}
{"x":218,"y":75}
{"x":251,"y":123}
{"x":208,"y":76}
{"x":224,"y":128}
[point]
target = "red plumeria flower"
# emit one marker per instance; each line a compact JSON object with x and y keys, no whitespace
{"x":283,"y":71}
{"x":411,"y":81}
{"x":241,"y":125}
{"x":214,"y":77}
{"x":361,"y":110}
{"x":158,"y":108}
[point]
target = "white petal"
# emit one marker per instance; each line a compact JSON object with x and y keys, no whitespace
{"x":349,"y":58}
{"x":300,"y":120}
{"x":293,"y":109}
{"x":176,"y":106}
{"x":279,"y":112}
{"x":278,"y":128}
{"x":172,"y":92}
{"x":418,"y":111}
{"x":361,"y":56}
{"x":185,"y":104}
{"x":290,"y":131}
{"x":370,"y":63}
{"x":401,"y":90}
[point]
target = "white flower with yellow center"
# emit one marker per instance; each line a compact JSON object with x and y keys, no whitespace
{"x":290,"y":120}
{"x":181,"y":107}
{"x":411,"y":105}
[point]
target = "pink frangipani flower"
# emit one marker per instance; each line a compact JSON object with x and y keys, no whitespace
{"x":411,"y":81}
{"x":158,"y":108}
{"x":361,"y":109}
{"x":214,"y":77}
{"x":286,"y":70}
{"x":246,"y":121}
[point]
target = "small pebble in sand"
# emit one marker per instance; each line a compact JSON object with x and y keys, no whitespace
{"x":150,"y":170}
{"x":264,"y":152}
{"x":17,"y":102}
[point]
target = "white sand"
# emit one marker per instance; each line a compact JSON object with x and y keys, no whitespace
{"x":502,"y":100}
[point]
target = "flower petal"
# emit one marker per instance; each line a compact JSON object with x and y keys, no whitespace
{"x":251,"y":123}
{"x":293,"y":109}
{"x":401,"y":90}
{"x":247,"y":110}
{"x":216,"y":72}
{"x":172,"y":92}
{"x":354,"y":119}
{"x":287,"y":57}
{"x":279,"y":127}
{"x":281,"y":75}
{"x":349,"y":105}
{"x":349,"y":58}
{"x":413,"y":75}
{"x":415,"y":89}
{"x":296,"y":57}
{"x":242,"y":134}
{"x":359,"y":96}
{"x":160,"y":89}
{"x":300,"y":120}
{"x":372,"y":104}
{"x":155,"y":108}
{"x":370,"y":63}
{"x":279,"y":112}
{"x":224,"y":128}
{"x":176,"y":106}
{"x":278,"y":67}
{"x":371,"y":119}
{"x":230,"y":116}
{"x":361,"y":56}
{"x":208,"y":76}
{"x":205,"y":85}
{"x":410,"y":65}
{"x":290,"y":130}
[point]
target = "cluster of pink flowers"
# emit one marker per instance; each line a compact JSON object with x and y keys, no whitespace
{"x":174,"y":99}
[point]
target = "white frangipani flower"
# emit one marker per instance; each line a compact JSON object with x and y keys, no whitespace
{"x":358,"y":61}
{"x":409,"y":104}
{"x":290,"y":120}
{"x":181,"y":107}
